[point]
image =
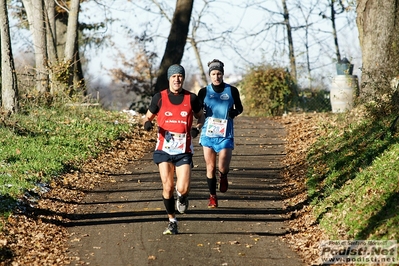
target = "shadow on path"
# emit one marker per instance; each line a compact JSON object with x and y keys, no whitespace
{"x":122,"y":223}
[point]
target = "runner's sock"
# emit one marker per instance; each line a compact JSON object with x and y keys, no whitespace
{"x":223,"y":175}
{"x":169,"y":205}
{"x":212,"y":185}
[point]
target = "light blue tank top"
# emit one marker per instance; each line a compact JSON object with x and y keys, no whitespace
{"x":217,"y":105}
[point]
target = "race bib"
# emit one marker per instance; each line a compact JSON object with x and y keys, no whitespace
{"x":174,"y":143}
{"x":216,"y":128}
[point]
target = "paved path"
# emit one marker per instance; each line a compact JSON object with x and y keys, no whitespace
{"x":122,"y":224}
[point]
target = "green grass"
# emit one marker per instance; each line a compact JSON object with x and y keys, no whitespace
{"x":41,"y":143}
{"x":353,"y":177}
{"x":353,"y":180}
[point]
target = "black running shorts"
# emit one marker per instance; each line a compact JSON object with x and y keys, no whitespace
{"x":177,"y":160}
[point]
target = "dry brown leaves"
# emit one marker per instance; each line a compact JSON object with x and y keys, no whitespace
{"x":34,"y":235}
{"x":302,"y":132}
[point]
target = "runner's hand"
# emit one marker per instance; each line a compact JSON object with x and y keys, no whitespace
{"x":148,"y":125}
{"x":194,"y":132}
{"x":233,"y":113}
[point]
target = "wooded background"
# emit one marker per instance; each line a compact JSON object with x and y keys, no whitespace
{"x":59,"y":39}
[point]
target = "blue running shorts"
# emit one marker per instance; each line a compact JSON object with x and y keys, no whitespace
{"x":217,"y":144}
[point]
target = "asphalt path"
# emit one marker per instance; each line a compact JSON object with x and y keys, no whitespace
{"x":121,"y":223}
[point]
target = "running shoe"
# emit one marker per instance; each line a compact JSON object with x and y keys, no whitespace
{"x":171,"y":229}
{"x":182,"y":204}
{"x":213,"y":201}
{"x":223,"y":183}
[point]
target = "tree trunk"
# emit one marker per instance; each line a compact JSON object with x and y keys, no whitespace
{"x":71,"y":42}
{"x":72,"y":30}
{"x":51,"y":33}
{"x":61,"y":23}
{"x":199,"y":62}
{"x":51,"y":40}
{"x":377,"y":22}
{"x":35,"y":12}
{"x":79,"y":80}
{"x":334,"y":28}
{"x":287,"y":23}
{"x":9,"y":88}
{"x":176,"y":41}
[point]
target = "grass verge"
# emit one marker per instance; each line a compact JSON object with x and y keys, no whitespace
{"x":353,"y":179}
{"x":42,"y":143}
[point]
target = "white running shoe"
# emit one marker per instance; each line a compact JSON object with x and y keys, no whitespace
{"x":182,"y":204}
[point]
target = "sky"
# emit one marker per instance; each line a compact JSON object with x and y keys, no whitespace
{"x":230,"y":19}
{"x":237,"y":21}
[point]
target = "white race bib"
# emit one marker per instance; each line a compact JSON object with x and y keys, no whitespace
{"x":216,"y":127}
{"x":174,"y":143}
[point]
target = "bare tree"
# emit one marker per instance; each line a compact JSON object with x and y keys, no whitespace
{"x":194,"y":43}
{"x":290,"y":41}
{"x":48,"y":24}
{"x":285,"y":16}
{"x":336,"y":7}
{"x":307,"y":38}
{"x":136,"y":79}
{"x":176,"y":41}
{"x":193,"y":39}
{"x":9,"y":88}
{"x":306,"y":13}
{"x":200,"y":31}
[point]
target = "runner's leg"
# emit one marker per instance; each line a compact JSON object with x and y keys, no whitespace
{"x":166,"y":171}
{"x":224,"y":160}
{"x":210,"y":161}
{"x":183,"y":174}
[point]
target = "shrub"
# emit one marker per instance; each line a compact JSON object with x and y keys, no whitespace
{"x":315,"y":100}
{"x":268,"y":91}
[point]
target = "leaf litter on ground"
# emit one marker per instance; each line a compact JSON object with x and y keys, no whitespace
{"x":37,"y":236}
